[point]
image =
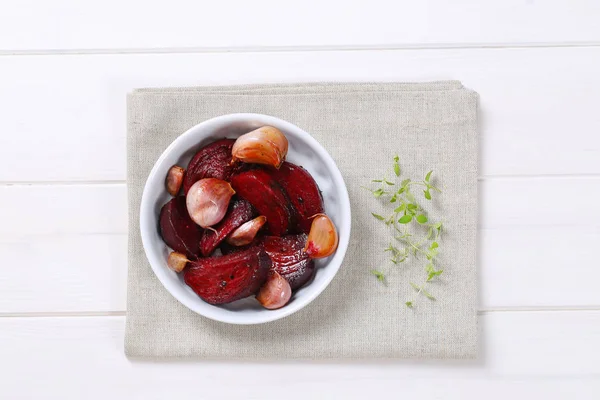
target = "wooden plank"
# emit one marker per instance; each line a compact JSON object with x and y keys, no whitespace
{"x":538,"y":267}
{"x":102,"y":208}
{"x":66,"y":121}
{"x":112,"y":24}
{"x":537,"y":245}
{"x":64,"y":272}
{"x":62,"y":209}
{"x":550,"y":355}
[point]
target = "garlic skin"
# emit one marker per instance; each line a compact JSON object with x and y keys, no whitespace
{"x":207,"y":201}
{"x":323,"y":237}
{"x":177,"y":261}
{"x":275,"y":293}
{"x":266,"y":145}
{"x":246,"y":233}
{"x":174,"y":179}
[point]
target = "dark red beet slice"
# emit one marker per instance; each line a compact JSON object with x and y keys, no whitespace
{"x":264,"y":193}
{"x":240,"y":211}
{"x":227,"y":248}
{"x":303,"y":192}
{"x":211,"y":161}
{"x":289,"y":259}
{"x":220,"y":280}
{"x":177,"y":228}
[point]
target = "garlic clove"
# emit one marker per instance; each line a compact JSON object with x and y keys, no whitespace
{"x":246,"y":233}
{"x":207,"y":201}
{"x":275,"y":293}
{"x":265,"y":145}
{"x":322,"y":238}
{"x":177,"y":261}
{"x":174,"y":179}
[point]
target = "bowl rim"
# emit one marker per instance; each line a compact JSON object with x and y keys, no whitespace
{"x":159,"y":266}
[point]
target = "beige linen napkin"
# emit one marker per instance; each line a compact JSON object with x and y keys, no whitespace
{"x":362,"y":125}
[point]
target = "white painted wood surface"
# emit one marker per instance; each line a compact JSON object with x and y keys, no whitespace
{"x":65,"y":67}
{"x":539,"y":105}
{"x":515,"y":361}
{"x":74,"y":238}
{"x":34,"y":25}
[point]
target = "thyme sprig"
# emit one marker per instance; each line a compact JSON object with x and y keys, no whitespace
{"x":407,"y":219}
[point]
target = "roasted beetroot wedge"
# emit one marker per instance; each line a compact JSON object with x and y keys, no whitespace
{"x":303,"y":192}
{"x":261,"y":189}
{"x":220,"y":280}
{"x":289,"y":259}
{"x":212,"y":161}
{"x":177,"y":228}
{"x":227,"y":248}
{"x":240,"y":211}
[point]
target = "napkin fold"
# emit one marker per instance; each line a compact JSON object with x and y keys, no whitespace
{"x":431,"y":126}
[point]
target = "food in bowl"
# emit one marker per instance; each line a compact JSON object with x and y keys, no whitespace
{"x":244,"y":222}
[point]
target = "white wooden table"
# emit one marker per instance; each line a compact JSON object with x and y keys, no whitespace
{"x":65,"y":67}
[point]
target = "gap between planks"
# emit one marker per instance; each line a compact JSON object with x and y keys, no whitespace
{"x":292,"y":49}
{"x":123,"y":182}
{"x":70,"y":314}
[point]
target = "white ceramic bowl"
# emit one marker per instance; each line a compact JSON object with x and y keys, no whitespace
{"x":304,"y":151}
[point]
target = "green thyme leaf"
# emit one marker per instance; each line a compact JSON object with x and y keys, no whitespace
{"x":427,"y":294}
{"x":379,"y":217}
{"x":378,"y":192}
{"x":428,"y":176}
{"x":427,"y":194}
{"x":380,"y":276}
{"x":429,"y":233}
{"x":405,"y":219}
{"x":408,"y":304}
{"x":422,"y":219}
{"x":433,"y":274}
{"x":434,"y":245}
{"x":377,"y":180}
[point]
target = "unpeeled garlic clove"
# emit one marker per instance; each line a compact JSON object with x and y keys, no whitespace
{"x":322,"y":238}
{"x":207,"y":201}
{"x":246,"y":233}
{"x":177,"y":261}
{"x":174,"y":179}
{"x":265,"y":145}
{"x":275,"y":292}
